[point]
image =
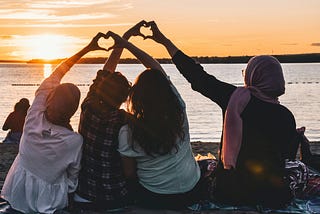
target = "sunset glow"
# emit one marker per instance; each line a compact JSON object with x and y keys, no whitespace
{"x":46,"y":47}
{"x":57,"y":29}
{"x":47,"y":70}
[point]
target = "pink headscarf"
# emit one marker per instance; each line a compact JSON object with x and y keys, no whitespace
{"x":264,"y":80}
{"x":62,"y":103}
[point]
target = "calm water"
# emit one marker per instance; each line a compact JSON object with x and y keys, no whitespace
{"x":302,"y":92}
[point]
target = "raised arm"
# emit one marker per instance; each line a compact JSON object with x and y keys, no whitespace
{"x":65,"y":66}
{"x":147,"y":60}
{"x":114,"y":57}
{"x":159,"y":37}
{"x":200,"y":80}
{"x":54,"y":79}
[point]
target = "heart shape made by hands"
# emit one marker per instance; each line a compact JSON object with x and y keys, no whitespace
{"x":146,"y":31}
{"x":105,"y":43}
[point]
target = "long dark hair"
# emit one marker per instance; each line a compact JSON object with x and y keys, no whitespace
{"x":157,"y":113}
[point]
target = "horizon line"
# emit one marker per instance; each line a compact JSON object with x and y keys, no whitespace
{"x":165,"y":58}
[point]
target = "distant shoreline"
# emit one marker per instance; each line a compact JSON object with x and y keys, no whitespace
{"x":288,"y":58}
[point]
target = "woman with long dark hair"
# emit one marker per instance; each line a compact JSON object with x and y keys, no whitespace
{"x":158,"y":114}
{"x":155,"y":145}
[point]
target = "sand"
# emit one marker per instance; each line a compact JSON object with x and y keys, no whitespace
{"x":9,"y":151}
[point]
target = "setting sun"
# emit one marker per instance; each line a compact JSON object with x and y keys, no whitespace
{"x":47,"y":46}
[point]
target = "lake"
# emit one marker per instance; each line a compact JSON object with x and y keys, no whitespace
{"x":205,"y":120}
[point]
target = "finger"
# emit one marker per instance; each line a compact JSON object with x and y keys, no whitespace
{"x":103,"y":49}
{"x":98,"y":47}
{"x":151,"y":23}
{"x":109,"y":34}
{"x":98,"y":36}
{"x":105,"y":36}
{"x":111,"y":48}
{"x":114,"y":35}
{"x":148,"y":37}
{"x":143,"y":23}
{"x":142,"y":35}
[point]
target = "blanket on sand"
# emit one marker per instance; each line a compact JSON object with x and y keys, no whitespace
{"x":308,"y":202}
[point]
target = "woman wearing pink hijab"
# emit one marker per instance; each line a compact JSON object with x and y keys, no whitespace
{"x":259,"y":133}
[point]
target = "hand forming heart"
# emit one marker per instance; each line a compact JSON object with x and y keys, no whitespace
{"x":142,"y":29}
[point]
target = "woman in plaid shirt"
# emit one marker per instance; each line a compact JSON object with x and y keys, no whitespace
{"x":102,"y":183}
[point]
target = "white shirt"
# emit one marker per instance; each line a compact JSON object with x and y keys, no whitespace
{"x":176,"y":172}
{"x":47,"y":165}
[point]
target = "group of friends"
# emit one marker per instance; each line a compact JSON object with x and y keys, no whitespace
{"x":143,"y":155}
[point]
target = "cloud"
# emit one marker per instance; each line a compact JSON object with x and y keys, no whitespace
{"x":6,"y":37}
{"x":48,"y":16}
{"x":8,"y":40}
{"x":62,"y":25}
{"x":63,"y":4}
{"x":315,"y":44}
{"x":42,"y":4}
{"x":30,"y":40}
{"x":39,"y":12}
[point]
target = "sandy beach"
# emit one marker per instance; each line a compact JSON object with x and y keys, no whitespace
{"x":9,"y":151}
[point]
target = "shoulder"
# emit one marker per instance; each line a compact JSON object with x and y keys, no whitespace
{"x":286,"y":113}
{"x":125,"y":143}
{"x":12,"y":115}
{"x":275,"y":114}
{"x":124,"y":130}
{"x":283,"y":115}
{"x":74,"y":138}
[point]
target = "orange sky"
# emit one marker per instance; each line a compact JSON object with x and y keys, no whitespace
{"x":59,"y":28}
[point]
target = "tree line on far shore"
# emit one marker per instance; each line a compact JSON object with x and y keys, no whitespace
{"x":291,"y":58}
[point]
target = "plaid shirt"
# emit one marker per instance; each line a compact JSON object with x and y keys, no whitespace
{"x":101,"y":178}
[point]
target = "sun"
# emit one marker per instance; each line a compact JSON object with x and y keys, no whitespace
{"x":47,"y":46}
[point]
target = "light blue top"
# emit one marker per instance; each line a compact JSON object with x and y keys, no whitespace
{"x":176,"y":172}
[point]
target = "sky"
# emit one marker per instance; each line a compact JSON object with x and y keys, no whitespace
{"x":49,"y":29}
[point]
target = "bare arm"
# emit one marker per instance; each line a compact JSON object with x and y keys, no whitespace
{"x":143,"y":57}
{"x":129,"y":166}
{"x":216,"y":90}
{"x":54,"y":79}
{"x":65,"y":66}
{"x":161,"y":38}
{"x":114,"y":57}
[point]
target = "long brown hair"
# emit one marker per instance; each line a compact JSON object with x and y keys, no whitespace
{"x":157,"y":113}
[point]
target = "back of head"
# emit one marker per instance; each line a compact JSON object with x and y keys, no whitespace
{"x":62,"y":103}
{"x":112,"y":89}
{"x":22,"y":106}
{"x":158,"y":115}
{"x":265,"y":73}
